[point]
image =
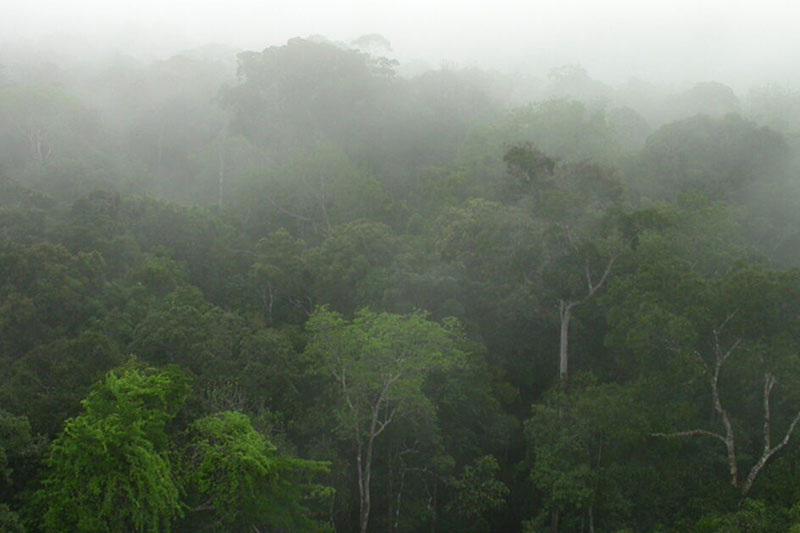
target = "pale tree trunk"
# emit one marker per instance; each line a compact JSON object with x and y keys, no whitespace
{"x":221,"y":176}
{"x":563,"y":349}
{"x":768,"y":450}
{"x":433,"y":505}
{"x":399,"y":500}
{"x":390,"y":491}
{"x":268,"y":301}
{"x":566,"y":307}
{"x":396,"y":499}
{"x":40,"y":149}
{"x":363,"y":464}
{"x":322,"y":199}
{"x":377,"y":426}
{"x":160,"y":148}
{"x":728,"y":439}
{"x":365,"y":490}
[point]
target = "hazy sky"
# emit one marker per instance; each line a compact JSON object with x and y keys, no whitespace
{"x":678,"y":40}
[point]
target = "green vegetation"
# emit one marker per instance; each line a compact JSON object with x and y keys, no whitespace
{"x":321,"y":296}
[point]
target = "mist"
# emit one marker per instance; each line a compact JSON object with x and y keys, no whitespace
{"x":737,"y":43}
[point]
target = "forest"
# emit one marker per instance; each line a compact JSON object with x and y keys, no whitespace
{"x":312,"y":289}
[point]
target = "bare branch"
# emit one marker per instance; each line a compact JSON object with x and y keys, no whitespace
{"x":690,"y":433}
{"x":588,"y":276}
{"x":382,"y":424}
{"x":727,"y":319}
{"x":570,"y":238}
{"x":593,"y":288}
{"x":769,"y":383}
{"x":765,"y":457}
{"x":718,"y":348}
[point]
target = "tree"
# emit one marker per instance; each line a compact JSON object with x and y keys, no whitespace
{"x":278,"y":275}
{"x":579,"y":213}
{"x":235,"y":480}
{"x":530,"y":163}
{"x":349,"y":267}
{"x":629,"y":127}
{"x":303,"y":92}
{"x":735,"y":334}
{"x":186,"y":330}
{"x":49,"y":382}
{"x":46,"y":292}
{"x":710,"y":98}
{"x":719,"y":157}
{"x":43,"y":123}
{"x":379,"y":363}
{"x":17,"y":443}
{"x":579,"y":442}
{"x":573,"y":82}
{"x":566,"y":305}
{"x":752,"y":516}
{"x":16,"y":439}
{"x":775,"y":106}
{"x":564,"y":129}
{"x":109,"y":470}
{"x":477,"y":492}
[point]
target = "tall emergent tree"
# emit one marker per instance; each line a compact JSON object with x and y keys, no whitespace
{"x":379,"y":363}
{"x":577,"y":206}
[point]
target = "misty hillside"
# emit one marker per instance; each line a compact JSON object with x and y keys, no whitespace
{"x":318,"y":288}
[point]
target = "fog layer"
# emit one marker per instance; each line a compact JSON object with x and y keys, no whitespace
{"x":733,"y":42}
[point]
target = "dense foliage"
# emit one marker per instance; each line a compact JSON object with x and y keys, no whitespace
{"x":317,"y":295}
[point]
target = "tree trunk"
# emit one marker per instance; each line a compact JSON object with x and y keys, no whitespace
{"x":160,"y":148}
{"x":40,"y":150}
{"x":221,"y":177}
{"x":365,"y":496}
{"x":396,"y":525}
{"x":566,"y":315}
{"x":729,"y":438}
{"x":390,"y":491}
{"x":367,"y":478}
{"x":769,"y":450}
{"x":563,"y":355}
{"x":364,"y":516}
{"x":433,"y":506}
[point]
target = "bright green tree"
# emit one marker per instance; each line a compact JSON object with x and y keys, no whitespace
{"x":235,"y":480}
{"x":110,"y":470}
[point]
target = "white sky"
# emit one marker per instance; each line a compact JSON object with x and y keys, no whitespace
{"x":732,"y":41}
